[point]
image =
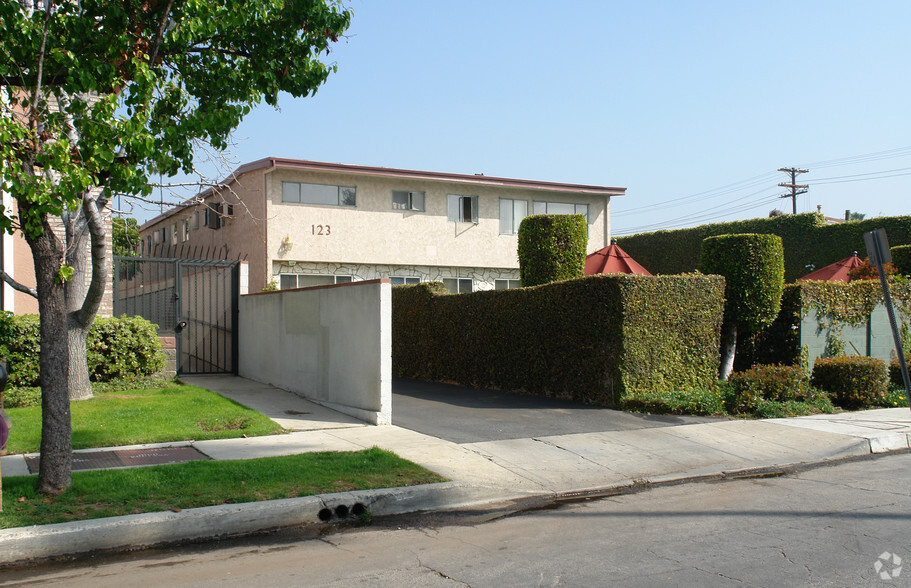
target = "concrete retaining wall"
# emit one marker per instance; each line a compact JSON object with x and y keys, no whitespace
{"x":873,"y":339}
{"x":330,"y":344}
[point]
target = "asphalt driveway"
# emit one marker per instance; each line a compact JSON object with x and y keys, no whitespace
{"x":466,"y":415}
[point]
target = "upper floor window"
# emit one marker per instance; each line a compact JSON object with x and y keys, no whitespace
{"x":404,"y":200}
{"x":298,"y":193}
{"x":561,"y":208}
{"x":462,"y":209}
{"x":511,"y":214}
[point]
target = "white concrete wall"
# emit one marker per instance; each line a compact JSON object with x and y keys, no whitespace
{"x":330,"y":344}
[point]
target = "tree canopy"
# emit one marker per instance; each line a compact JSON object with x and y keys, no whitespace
{"x":95,"y":97}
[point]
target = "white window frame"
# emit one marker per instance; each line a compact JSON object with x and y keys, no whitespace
{"x":336,"y":279}
{"x":510,"y":209}
{"x":319,"y":194}
{"x":405,"y":280}
{"x":541,"y":207}
{"x":412,"y":200}
{"x":459,"y":282}
{"x":456,"y":205}
{"x":510,"y":284}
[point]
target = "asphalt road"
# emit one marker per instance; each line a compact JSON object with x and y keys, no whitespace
{"x":841,"y":525}
{"x":465,"y":415}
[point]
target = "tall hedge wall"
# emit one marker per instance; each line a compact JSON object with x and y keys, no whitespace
{"x":590,"y":339}
{"x":807,"y":239}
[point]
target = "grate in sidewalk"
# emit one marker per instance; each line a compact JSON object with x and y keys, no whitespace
{"x":125,"y":458}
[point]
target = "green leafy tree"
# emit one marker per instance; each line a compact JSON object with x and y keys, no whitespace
{"x":97,"y":95}
{"x":125,"y":237}
{"x":753,"y":270}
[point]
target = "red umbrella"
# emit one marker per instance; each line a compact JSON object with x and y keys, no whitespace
{"x":837,"y":272}
{"x":612,"y":260}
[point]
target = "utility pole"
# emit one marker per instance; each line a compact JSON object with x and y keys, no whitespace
{"x":796,"y":189}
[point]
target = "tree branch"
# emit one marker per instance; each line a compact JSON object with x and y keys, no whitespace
{"x":159,"y":37}
{"x":17,"y":286}
{"x":85,"y":315}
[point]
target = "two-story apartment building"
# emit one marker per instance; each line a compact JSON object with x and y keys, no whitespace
{"x":306,"y":223}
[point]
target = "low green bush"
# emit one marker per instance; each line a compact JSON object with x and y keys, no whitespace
{"x":895,"y":397}
{"x":123,"y":347}
{"x":895,"y":371}
{"x":21,"y":397}
{"x":852,"y":382}
{"x":774,"y":409}
{"x":20,"y":346}
{"x":748,"y":389}
{"x":117,"y":348}
{"x":693,"y":401}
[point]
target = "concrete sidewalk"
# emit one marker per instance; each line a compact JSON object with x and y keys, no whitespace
{"x":485,"y":475}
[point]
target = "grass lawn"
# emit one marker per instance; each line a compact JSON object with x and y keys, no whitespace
{"x":173,"y":412}
{"x":105,"y":493}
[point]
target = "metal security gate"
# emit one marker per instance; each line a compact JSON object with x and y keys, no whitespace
{"x":196,"y":299}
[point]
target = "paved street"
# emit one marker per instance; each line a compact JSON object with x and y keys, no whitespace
{"x":826,"y":526}
{"x":465,"y":415}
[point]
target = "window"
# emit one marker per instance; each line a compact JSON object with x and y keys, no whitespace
{"x":403,"y":200}
{"x":298,"y":193}
{"x":193,"y":221}
{"x":148,"y":250}
{"x":291,"y":281}
{"x":399,"y":280}
{"x":506,"y":284}
{"x":511,"y":214}
{"x":561,"y":208}
{"x":186,"y":229}
{"x":462,"y":209}
{"x":458,"y":285}
{"x":213,"y":215}
{"x":175,"y":233}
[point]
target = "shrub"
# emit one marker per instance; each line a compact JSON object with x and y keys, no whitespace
{"x":868,"y":271}
{"x":901,"y":259}
{"x":552,"y":248}
{"x":753,"y":269}
{"x":695,"y":401}
{"x":895,"y":372}
{"x":773,"y":409}
{"x":747,"y":389}
{"x":21,"y":397}
{"x":122,"y":348}
{"x":20,"y":345}
{"x":852,"y":382}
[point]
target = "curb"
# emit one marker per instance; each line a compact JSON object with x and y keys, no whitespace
{"x":142,"y":531}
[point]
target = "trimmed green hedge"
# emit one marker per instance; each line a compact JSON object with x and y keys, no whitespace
{"x":591,"y":339}
{"x":901,"y":259}
{"x":552,"y":248}
{"x":852,"y":382}
{"x":753,"y":269}
{"x":807,"y":239}
{"x":117,"y":348}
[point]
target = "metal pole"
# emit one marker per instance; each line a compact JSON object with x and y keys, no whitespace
{"x":878,"y":250}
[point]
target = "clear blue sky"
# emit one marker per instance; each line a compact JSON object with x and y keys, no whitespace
{"x":697,"y":103}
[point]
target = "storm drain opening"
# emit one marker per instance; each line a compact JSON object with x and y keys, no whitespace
{"x":342,"y":511}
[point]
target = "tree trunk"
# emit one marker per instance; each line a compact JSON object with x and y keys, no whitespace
{"x":54,"y":474}
{"x":77,"y":332}
{"x":728,"y":348}
{"x":82,"y":304}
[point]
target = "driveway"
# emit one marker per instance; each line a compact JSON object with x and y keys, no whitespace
{"x":466,"y":415}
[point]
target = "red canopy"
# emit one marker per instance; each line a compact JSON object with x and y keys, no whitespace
{"x":837,"y":272}
{"x":612,"y":260}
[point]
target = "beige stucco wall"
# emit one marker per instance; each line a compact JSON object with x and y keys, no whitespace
{"x":374,"y":233}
